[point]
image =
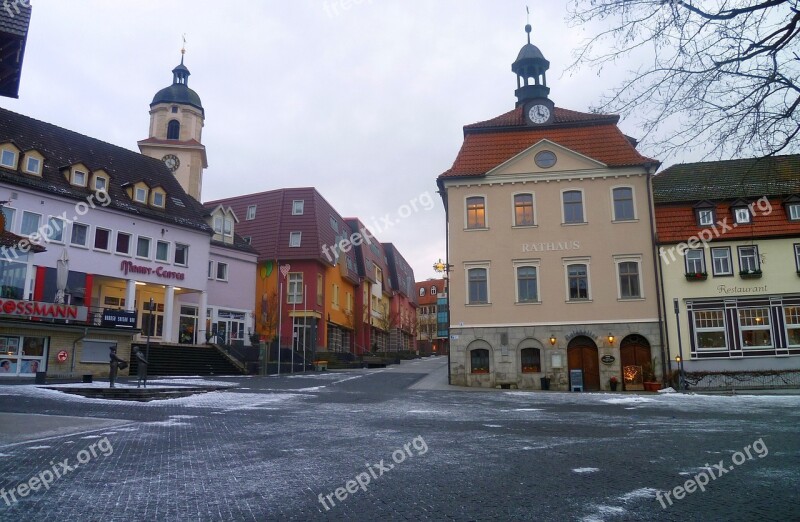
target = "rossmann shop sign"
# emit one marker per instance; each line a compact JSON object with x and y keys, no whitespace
{"x":40,"y":310}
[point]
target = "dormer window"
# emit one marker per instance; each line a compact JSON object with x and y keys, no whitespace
{"x":140,"y":194}
{"x":705,"y":217}
{"x":100,"y":184}
{"x":8,"y":158}
{"x":422,"y":292}
{"x":228,"y":227}
{"x":218,"y":224}
{"x":741,"y":215}
{"x":158,"y":199}
{"x":79,"y":178}
{"x":793,"y":211}
{"x":33,"y":165}
{"x":433,"y":290}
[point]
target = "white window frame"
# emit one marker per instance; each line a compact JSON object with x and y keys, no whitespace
{"x":295,"y":297}
{"x":485,"y":212}
{"x":756,"y":256}
{"x":295,"y":239}
{"x":211,"y":271}
{"x":705,"y":212}
{"x":104,"y":188}
{"x":175,"y":259}
{"x":137,"y":191}
{"x":705,"y":329}
{"x":797,"y":256}
{"x":702,"y":261}
{"x":765,"y":326}
{"x":422,"y":292}
{"x":614,"y":217}
{"x":298,"y":207}
{"x":14,"y":155}
{"x":791,"y":322}
{"x":87,"y":237}
{"x":433,"y":290}
{"x":480,"y":264}
{"x":228,"y":227}
{"x":38,"y":223}
{"x":149,"y":247}
{"x":155,"y":252}
{"x":742,"y":216}
{"x":567,"y":262}
{"x":224,"y":267}
{"x":50,"y":221}
{"x":514,"y":223}
{"x":793,"y":211}
{"x":583,"y":207}
{"x":618,"y":260}
{"x":159,"y":194}
{"x":251,"y":212}
{"x":75,"y":181}
{"x":110,"y":239}
{"x":10,"y":215}
{"x":527,"y":263}
{"x":116,"y":243}
{"x":27,"y":168}
{"x":729,"y":257}
{"x":219,"y":224}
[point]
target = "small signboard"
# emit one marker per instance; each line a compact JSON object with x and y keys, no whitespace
{"x":576,"y":380}
{"x":608,"y":359}
{"x":119,"y":318}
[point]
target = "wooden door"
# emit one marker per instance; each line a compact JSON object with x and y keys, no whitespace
{"x":584,"y":357}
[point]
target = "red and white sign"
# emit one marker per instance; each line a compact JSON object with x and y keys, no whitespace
{"x":62,"y":356}
{"x":42,"y":310}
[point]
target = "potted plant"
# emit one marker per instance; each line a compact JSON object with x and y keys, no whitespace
{"x":650,"y":383}
{"x":750,"y":274}
{"x":613,"y":382}
{"x":696,"y":276}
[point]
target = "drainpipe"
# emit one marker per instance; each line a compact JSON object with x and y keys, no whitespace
{"x":659,"y":277}
{"x":74,"y":344}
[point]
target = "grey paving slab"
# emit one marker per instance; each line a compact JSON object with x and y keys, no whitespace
{"x":20,"y":427}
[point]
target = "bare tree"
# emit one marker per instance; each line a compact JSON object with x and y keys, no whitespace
{"x":721,"y":76}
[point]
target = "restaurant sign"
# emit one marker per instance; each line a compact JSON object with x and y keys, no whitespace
{"x":40,"y":310}
{"x":128,"y":267}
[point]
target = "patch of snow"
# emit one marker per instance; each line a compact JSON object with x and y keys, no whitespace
{"x":629,"y":400}
{"x":423,"y":411}
{"x":91,"y":437}
{"x":39,"y":447}
{"x":585,"y":470}
{"x":493,"y":425}
{"x":667,"y":390}
{"x":527,"y":409}
{"x":640,"y":493}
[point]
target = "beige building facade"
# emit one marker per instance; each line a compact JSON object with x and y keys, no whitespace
{"x":551,"y":257}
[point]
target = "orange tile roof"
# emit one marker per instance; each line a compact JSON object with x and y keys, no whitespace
{"x":676,"y":223}
{"x":490,"y":143}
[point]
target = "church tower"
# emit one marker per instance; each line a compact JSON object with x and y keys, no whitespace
{"x":532,"y":90}
{"x":176,"y":128}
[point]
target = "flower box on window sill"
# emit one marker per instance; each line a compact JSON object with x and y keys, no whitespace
{"x":480,"y":370}
{"x":696,"y":276}
{"x":750,"y":274}
{"x":531,"y":369}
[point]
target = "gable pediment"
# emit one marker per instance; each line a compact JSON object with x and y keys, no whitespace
{"x":566,"y":160}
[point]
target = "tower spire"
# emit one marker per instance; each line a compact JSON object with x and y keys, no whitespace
{"x":183,"y":48}
{"x":528,"y":27}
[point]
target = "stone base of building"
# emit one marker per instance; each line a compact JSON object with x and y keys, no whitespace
{"x":521,"y":356}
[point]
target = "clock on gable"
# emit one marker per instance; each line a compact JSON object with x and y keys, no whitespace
{"x":172,"y":162}
{"x":538,"y":112}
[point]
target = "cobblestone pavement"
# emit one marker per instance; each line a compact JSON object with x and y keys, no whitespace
{"x":272,"y":447}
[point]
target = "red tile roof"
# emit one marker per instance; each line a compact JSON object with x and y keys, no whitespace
{"x":428,"y":298}
{"x":676,"y":223}
{"x":491,"y":143}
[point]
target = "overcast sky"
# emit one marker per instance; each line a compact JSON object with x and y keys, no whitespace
{"x":364,"y":100}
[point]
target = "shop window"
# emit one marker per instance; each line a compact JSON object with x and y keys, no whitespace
{"x":755,"y":328}
{"x":792,"y":316}
{"x":709,"y":328}
{"x":479,"y":360}
{"x":531,"y":360}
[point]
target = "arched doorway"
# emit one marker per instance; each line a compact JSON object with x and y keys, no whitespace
{"x":634,"y":350}
{"x":582,"y":355}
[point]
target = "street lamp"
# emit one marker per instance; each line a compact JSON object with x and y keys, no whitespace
{"x":679,"y":358}
{"x":442,"y":267}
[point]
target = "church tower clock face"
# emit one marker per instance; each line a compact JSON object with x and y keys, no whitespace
{"x":172,"y":162}
{"x":539,"y":113}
